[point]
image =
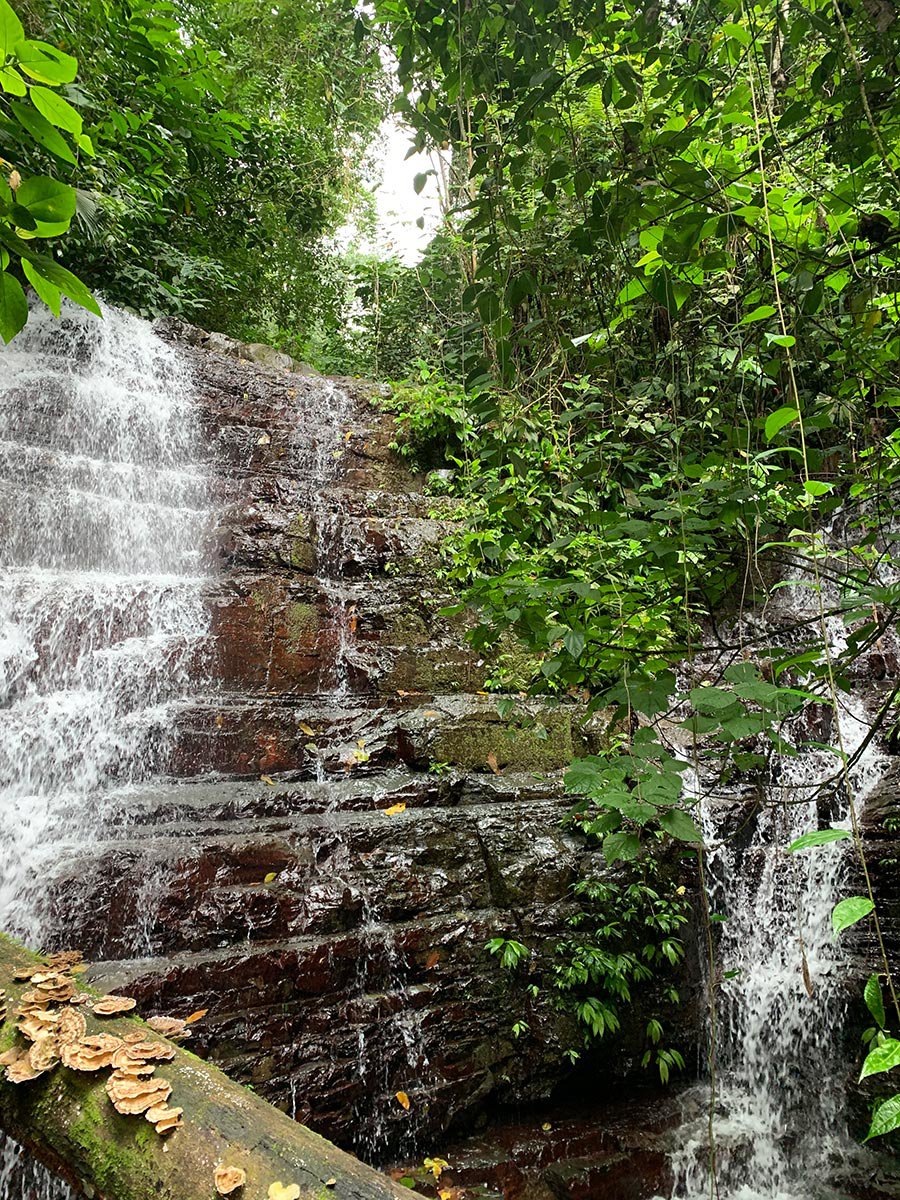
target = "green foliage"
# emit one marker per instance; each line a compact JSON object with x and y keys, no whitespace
{"x":212,"y":147}
{"x":431,"y":421}
{"x":624,"y":936}
{"x":510,"y":952}
{"x":681,"y":248}
{"x":39,"y":130}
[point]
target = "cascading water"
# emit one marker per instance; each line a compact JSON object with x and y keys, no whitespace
{"x":778,"y":1121}
{"x":104,"y":516}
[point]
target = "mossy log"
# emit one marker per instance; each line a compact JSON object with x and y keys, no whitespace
{"x":66,"y":1120}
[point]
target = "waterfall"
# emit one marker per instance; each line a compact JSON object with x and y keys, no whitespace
{"x":778,"y":1114}
{"x":104,"y":518}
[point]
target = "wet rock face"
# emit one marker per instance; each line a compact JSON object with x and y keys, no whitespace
{"x":344,"y":819}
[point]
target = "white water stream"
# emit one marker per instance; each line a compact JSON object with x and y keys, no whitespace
{"x":104,"y":513}
{"x":779,"y":1124}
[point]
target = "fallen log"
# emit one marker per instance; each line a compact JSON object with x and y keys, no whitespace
{"x":66,"y":1119}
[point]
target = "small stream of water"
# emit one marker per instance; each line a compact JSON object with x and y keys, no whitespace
{"x":779,"y":1115}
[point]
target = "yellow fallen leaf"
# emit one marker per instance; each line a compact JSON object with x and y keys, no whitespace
{"x":492,"y":763}
{"x":278,"y":1191}
{"x":429,"y":712}
{"x":264,"y":440}
{"x":267,"y":780}
{"x":361,"y":742}
{"x":394,"y":809}
{"x":403,"y":1100}
{"x":307,"y":729}
{"x":195,"y":1016}
{"x":436,"y":1166}
{"x":272,"y":875}
{"x":546,"y":1127}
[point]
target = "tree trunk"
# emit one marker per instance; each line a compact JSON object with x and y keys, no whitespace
{"x":66,"y":1120}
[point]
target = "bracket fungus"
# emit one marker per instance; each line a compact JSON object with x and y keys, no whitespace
{"x":71,"y":1026}
{"x":170,"y":1027}
{"x":47,"y":1017}
{"x":44,"y":1053}
{"x":133,"y":1096}
{"x":111,"y":1006}
{"x":92,"y":1053}
{"x":163,"y":1118}
{"x":229,"y":1179}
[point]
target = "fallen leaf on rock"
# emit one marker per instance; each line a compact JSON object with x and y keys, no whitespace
{"x":307,"y":729}
{"x":429,"y":712}
{"x":267,"y":780}
{"x":432,"y":960}
{"x":492,"y":763}
{"x":195,"y":1016}
{"x":271,"y":877}
{"x":278,"y":1191}
{"x":111,"y":1006}
{"x":402,"y":1099}
{"x":546,"y":1127}
{"x":264,"y":440}
{"x":229,"y":1179}
{"x":331,"y":1182}
{"x":394,"y":809}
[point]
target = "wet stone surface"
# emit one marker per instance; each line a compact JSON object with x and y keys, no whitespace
{"x":339,"y":820}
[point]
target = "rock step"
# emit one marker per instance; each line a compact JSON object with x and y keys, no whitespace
{"x":171,"y":803}
{"x":339,"y":1024}
{"x":324,"y":874}
{"x":224,"y":736}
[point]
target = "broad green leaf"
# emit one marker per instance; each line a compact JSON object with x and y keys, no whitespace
{"x":680,"y":825}
{"x":759,"y":314}
{"x":777,"y":420}
{"x":848,"y":912}
{"x":45,"y":63}
{"x":12,"y":82}
{"x":488,"y":306}
{"x":11,"y":31}
{"x":711,"y":699}
{"x":574,"y":641}
{"x":13,"y":307}
{"x":42,"y":131}
{"x":58,"y":112}
{"x":584,"y":775}
{"x":885,"y":1118}
{"x":814,"y":487}
{"x":47,"y":291}
{"x":883,"y":1058}
{"x":819,"y":837}
{"x":621,"y":847}
{"x":47,"y":199}
{"x":70,"y":285}
{"x":781,"y":339}
{"x":874,"y":1000}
